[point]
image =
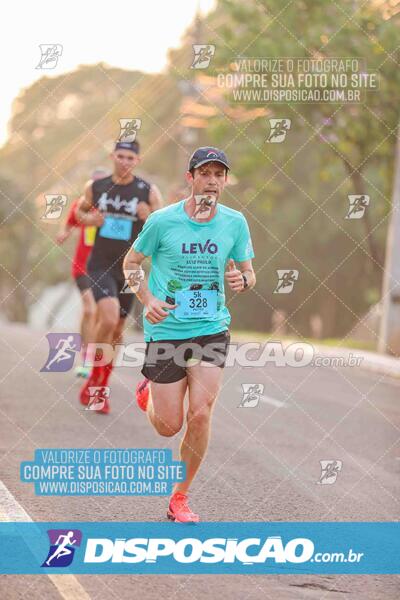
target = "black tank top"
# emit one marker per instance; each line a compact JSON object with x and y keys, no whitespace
{"x":121,"y":225}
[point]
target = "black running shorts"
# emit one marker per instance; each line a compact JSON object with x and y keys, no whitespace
{"x":109,"y":284}
{"x":83,"y":282}
{"x":166,"y":361}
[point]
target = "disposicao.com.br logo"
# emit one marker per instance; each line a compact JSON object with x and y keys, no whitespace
{"x":352,"y":548}
{"x":247,"y":551}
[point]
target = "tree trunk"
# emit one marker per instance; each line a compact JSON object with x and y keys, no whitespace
{"x":359,"y":188}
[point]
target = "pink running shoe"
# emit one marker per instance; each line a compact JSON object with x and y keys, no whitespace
{"x":179,"y":510}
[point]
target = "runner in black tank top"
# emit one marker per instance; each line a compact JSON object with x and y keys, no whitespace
{"x":118,"y":206}
{"x":118,"y":203}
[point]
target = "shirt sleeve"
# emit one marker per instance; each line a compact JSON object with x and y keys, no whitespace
{"x":148,"y":239}
{"x":243,"y":247}
{"x":71,"y":216}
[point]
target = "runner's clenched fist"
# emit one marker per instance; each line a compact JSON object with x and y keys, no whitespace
{"x":234,"y":277}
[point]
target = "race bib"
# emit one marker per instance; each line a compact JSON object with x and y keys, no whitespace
{"x":116,"y":229}
{"x":89,"y":234}
{"x":196,"y":304}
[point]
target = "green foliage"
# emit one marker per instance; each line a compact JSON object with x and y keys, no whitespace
{"x":295,"y":194}
{"x":61,"y":129}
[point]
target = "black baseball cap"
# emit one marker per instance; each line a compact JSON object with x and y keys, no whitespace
{"x":134,"y":146}
{"x":206,"y":154}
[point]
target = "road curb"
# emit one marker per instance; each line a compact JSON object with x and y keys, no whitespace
{"x":371,"y":361}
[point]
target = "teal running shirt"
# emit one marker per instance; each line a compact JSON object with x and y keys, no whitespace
{"x":189,"y":260}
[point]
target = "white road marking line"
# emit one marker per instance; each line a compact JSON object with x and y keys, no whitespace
{"x":10,"y":510}
{"x":267,"y":400}
{"x":273,"y":401}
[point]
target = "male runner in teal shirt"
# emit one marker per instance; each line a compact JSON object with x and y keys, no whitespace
{"x":194,"y":245}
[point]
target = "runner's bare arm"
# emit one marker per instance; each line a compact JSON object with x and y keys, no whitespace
{"x":85,"y":212}
{"x":155,"y":310}
{"x":155,"y":198}
{"x":68,"y":225}
{"x":155,"y":202}
{"x":234,"y":275}
{"x":86,"y":201}
{"x":246,"y":268}
{"x":64,"y":233}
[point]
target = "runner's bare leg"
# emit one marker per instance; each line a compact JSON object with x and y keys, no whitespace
{"x":165,"y":406}
{"x":107,"y":320}
{"x":88,"y":317}
{"x":204,"y":383}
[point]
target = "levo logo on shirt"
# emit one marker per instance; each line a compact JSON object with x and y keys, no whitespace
{"x":198,"y":248}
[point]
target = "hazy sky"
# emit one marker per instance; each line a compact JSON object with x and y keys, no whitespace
{"x":128,"y":33}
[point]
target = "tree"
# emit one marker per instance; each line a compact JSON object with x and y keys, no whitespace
{"x":332,"y":151}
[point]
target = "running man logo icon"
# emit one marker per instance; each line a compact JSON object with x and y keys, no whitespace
{"x":251,"y":394}
{"x":132,"y":282}
{"x":54,"y":206}
{"x":97,"y":397}
{"x":286,"y":280}
{"x":203,"y":54}
{"x":63,"y":543}
{"x":358,"y":203}
{"x":50,"y":53}
{"x":278,"y":130}
{"x":204,"y":204}
{"x":128,"y":129}
{"x":329,"y":471}
{"x":62,"y":350}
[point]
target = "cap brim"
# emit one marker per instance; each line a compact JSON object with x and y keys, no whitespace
{"x":207,"y":160}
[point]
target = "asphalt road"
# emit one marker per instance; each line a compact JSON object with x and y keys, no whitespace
{"x":262,"y":464}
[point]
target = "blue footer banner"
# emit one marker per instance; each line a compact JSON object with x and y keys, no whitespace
{"x":206,"y":548}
